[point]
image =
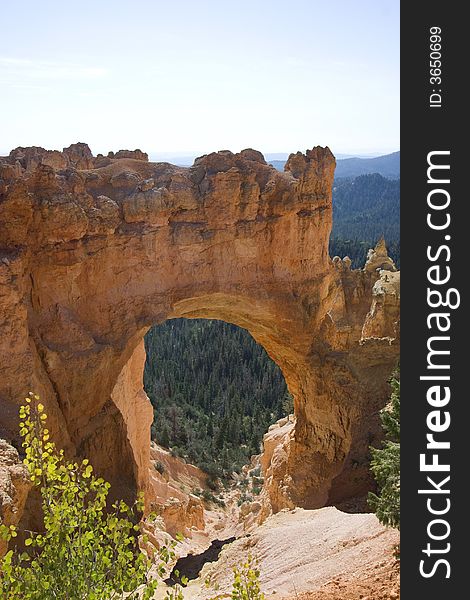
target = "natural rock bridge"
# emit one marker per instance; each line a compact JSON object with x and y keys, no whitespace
{"x":95,"y":251}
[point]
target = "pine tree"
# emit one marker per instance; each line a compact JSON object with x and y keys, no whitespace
{"x":385,"y":463}
{"x":210,"y":428}
{"x":222,"y":434}
{"x":164,"y":437}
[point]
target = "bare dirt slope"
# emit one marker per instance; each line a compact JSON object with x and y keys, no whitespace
{"x":311,"y":554}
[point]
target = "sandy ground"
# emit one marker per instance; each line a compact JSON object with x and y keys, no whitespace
{"x":311,"y":554}
{"x":382,"y":585}
{"x":323,"y":554}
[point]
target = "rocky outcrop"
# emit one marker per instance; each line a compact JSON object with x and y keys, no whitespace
{"x":383,"y":318}
{"x":14,"y":487}
{"x":180,"y":517}
{"x":93,"y":252}
{"x":171,"y":493}
{"x":137,"y":154}
{"x":274,"y":462}
{"x":29,"y":158}
{"x":378,"y":258}
{"x":77,"y":156}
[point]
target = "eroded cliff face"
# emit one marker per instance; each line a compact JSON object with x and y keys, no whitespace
{"x":172,"y":483}
{"x":94,"y":251}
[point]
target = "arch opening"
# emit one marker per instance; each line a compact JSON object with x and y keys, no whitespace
{"x":320,"y":440}
{"x":214,"y":392}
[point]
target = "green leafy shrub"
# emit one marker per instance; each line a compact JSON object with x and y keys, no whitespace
{"x":209,"y":497}
{"x":288,"y":403}
{"x":246,"y":585}
{"x":175,"y":592}
{"x":244,"y":498}
{"x":159,"y":466}
{"x":385,"y":463}
{"x":85,"y":551}
{"x":212,"y":483}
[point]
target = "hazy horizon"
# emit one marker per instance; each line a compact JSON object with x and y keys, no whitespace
{"x":193,"y":78}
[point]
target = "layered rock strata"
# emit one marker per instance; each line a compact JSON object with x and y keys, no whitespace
{"x":95,"y":251}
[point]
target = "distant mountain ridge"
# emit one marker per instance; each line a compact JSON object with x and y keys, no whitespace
{"x":387,"y":165}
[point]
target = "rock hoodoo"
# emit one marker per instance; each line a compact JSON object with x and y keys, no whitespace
{"x":94,"y":251}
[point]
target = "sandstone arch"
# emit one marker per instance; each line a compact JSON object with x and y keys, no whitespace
{"x":94,"y":251}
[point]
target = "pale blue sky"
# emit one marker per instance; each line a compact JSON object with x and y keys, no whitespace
{"x":197,"y":76}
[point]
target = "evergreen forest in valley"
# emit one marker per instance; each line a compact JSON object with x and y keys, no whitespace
{"x":214,"y":392}
{"x":365,"y":208}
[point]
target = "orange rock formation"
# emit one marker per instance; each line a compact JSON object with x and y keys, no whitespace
{"x":94,"y":251}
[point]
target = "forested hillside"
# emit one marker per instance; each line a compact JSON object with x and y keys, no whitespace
{"x":365,"y":209}
{"x":214,"y":392}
